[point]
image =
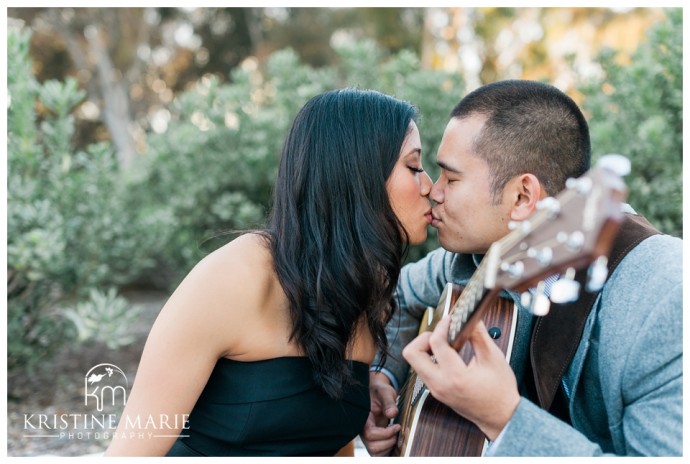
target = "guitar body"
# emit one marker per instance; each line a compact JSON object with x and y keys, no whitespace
{"x":430,"y":428}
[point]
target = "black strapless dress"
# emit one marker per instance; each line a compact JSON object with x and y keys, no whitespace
{"x":272,"y":408}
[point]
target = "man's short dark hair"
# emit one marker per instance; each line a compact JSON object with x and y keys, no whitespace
{"x":531,"y":127}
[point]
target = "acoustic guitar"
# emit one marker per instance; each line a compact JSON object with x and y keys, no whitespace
{"x":566,"y":233}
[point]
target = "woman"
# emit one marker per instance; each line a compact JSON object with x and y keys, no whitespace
{"x":266,"y":344}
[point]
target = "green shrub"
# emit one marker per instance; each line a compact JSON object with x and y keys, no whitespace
{"x":105,"y":317}
{"x":637,"y":110}
{"x":71,"y":225}
{"x":214,"y":167}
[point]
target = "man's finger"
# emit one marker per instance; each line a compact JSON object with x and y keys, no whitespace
{"x":446,"y":356}
{"x":482,"y":343}
{"x":418,"y":354}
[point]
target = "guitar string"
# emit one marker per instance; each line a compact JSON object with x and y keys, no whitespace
{"x":468,"y":299}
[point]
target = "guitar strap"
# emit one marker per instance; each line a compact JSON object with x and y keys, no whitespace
{"x":556,"y":336}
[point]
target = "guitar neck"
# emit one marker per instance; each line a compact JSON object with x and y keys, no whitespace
{"x":468,"y":306}
{"x":566,"y":232}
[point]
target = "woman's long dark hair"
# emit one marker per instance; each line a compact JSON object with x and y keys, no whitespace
{"x":337,"y":245}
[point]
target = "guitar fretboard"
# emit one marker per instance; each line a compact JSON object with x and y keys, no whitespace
{"x":467,"y":302}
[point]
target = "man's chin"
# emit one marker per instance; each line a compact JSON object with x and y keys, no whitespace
{"x":448,"y":244}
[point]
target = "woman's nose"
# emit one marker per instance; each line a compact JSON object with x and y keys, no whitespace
{"x":426,"y":184}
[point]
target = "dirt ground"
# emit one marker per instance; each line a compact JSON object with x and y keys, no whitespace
{"x":59,"y":391}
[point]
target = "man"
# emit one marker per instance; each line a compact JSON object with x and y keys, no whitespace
{"x":507,"y":146}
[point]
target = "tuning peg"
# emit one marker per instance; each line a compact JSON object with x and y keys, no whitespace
{"x":597,"y":274}
{"x":543,"y":256}
{"x":618,"y":164}
{"x":515,"y":270}
{"x":565,"y":289}
{"x":574,"y":241}
{"x":541,"y":305}
{"x":582,"y":185}
{"x":524,"y":226}
{"x":540,"y":302}
{"x":551,"y":205}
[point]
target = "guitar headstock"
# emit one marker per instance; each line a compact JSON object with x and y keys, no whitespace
{"x":571,"y":230}
{"x":568,"y":232}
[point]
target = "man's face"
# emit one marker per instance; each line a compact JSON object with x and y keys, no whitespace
{"x":467,"y":219}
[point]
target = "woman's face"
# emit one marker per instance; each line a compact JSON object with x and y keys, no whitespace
{"x":408,"y":187}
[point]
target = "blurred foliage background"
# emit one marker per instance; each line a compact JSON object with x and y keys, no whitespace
{"x":137,"y":137}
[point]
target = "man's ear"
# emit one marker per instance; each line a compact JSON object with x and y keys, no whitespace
{"x":525,"y":192}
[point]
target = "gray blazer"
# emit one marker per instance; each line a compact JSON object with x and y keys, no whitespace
{"x":625,"y":381}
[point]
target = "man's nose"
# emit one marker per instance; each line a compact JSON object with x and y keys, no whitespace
{"x":436,"y":194}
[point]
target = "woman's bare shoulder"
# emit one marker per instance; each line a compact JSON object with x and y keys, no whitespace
{"x":238,"y":270}
{"x":222,"y":291}
{"x":252,"y":247}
